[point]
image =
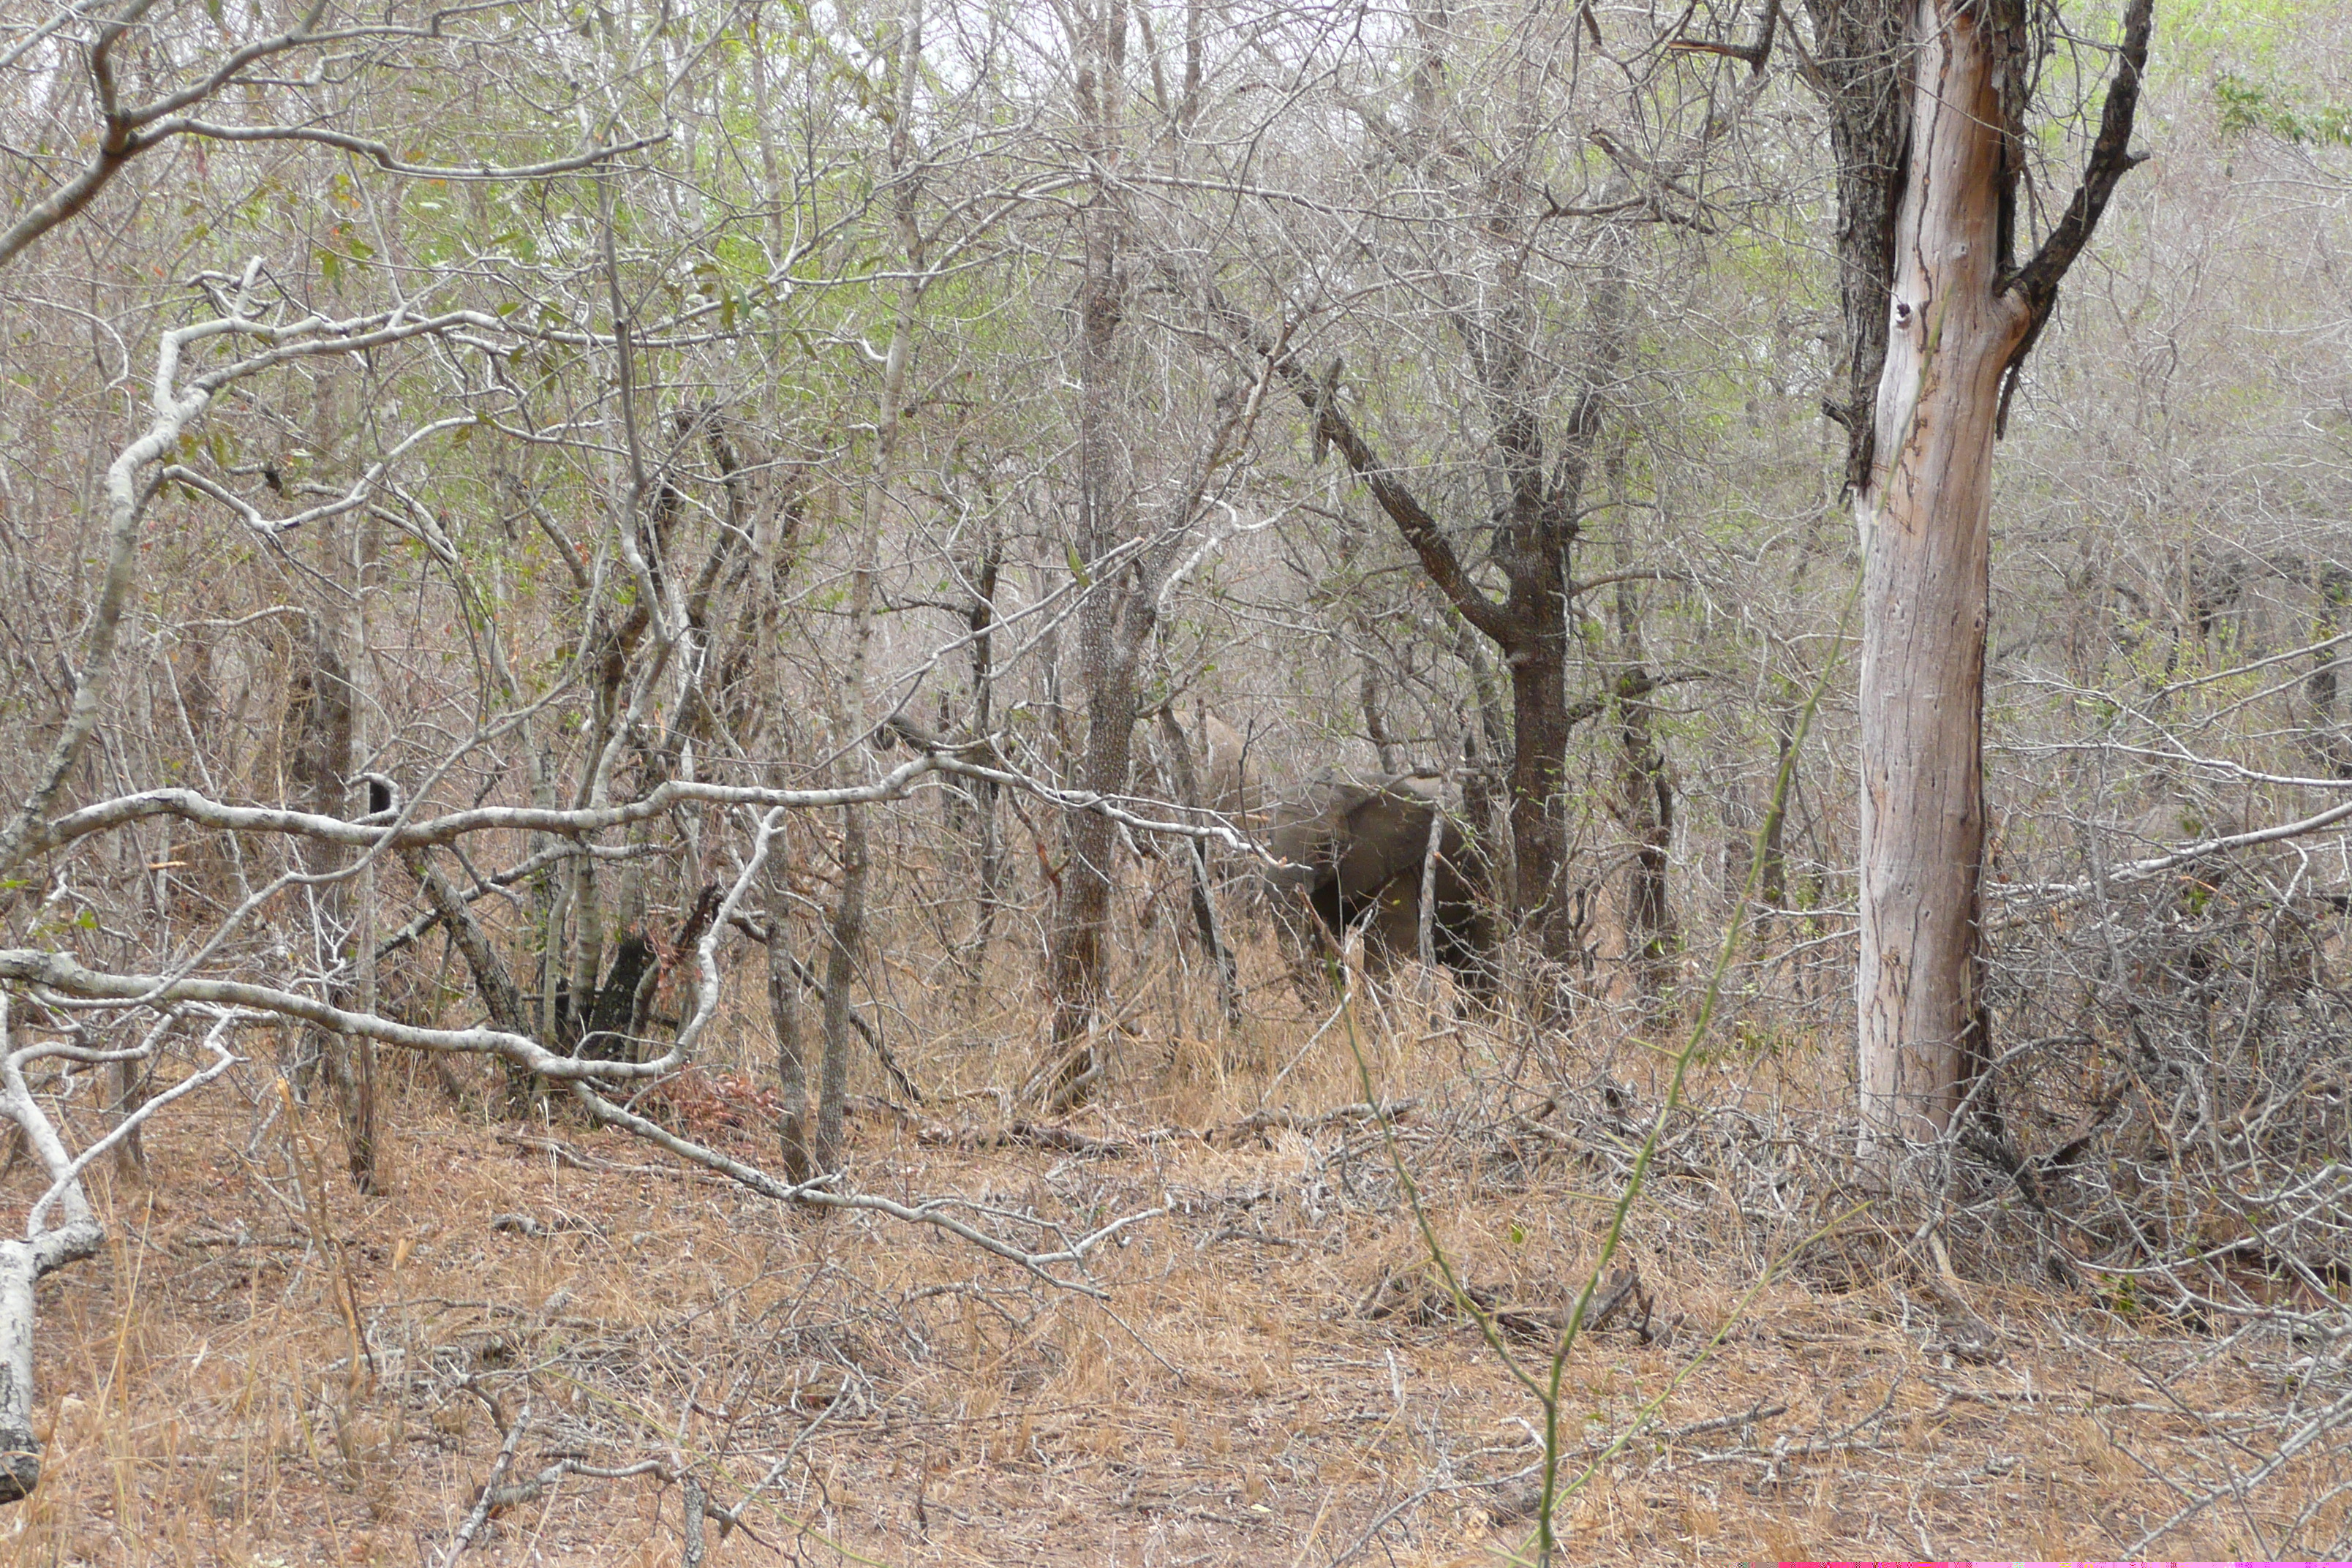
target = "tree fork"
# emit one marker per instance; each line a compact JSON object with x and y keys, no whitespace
{"x":1961,"y":319}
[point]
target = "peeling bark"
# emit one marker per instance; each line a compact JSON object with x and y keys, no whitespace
{"x":1960,"y":321}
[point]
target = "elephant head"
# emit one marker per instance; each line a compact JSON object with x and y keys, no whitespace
{"x":1355,"y":849}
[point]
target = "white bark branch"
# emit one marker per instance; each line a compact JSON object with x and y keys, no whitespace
{"x":193,"y":807}
{"x":22,"y":1263}
{"x":222,"y":1060}
{"x":383,"y":157}
{"x":66,"y":975}
{"x":2058,"y":894}
{"x":62,"y":973}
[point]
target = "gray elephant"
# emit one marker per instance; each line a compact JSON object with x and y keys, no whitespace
{"x":1355,"y":848}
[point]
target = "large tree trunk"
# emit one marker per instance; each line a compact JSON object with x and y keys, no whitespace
{"x":1960,"y":319}
{"x":1926,"y":516}
{"x":1539,"y":734}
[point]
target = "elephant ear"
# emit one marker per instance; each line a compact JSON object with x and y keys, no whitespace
{"x":1300,"y":835}
{"x":1311,"y":830}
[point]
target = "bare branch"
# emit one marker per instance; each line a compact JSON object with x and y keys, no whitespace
{"x":2111,"y":159}
{"x":1404,"y":509}
{"x":222,"y":1060}
{"x":384,"y":159}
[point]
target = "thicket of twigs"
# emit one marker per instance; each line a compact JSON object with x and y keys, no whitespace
{"x":543,"y":1326}
{"x":622,"y":931}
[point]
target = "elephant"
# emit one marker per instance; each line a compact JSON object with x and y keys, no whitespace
{"x":1355,"y":849}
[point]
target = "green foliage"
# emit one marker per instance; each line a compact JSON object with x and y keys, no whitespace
{"x":2263,"y":34}
{"x":2254,"y":109}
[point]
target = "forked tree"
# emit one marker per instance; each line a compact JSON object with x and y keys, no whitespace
{"x":1936,"y":280}
{"x":1478,"y":196}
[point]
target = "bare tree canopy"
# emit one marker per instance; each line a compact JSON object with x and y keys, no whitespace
{"x":916,"y":772}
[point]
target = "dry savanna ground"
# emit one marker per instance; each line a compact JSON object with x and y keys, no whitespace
{"x":265,"y":1367}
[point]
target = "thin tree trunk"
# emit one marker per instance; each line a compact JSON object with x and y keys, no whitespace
{"x":1425,"y":917}
{"x":775,"y":196}
{"x":1646,"y":788}
{"x":1376,"y":726}
{"x":784,"y":1017}
{"x":1079,"y":959}
{"x":848,"y":924}
{"x":1204,"y":904}
{"x":360,"y":1134}
{"x":846,"y":933}
{"x":1188,"y":106}
{"x":322,"y":771}
{"x":130,"y":1093}
{"x":983,"y":621}
{"x":1773,"y":884}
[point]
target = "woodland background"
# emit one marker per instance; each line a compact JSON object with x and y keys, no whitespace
{"x":542,"y":420}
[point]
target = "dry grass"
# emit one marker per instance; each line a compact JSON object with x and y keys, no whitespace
{"x":1249,"y":1393}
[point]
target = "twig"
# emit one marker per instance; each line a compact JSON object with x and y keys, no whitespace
{"x":1290,"y":1120}
{"x":816,"y":1193}
{"x":732,"y":1517}
{"x":1034,"y":1134}
{"x":2318,"y":1426}
{"x":483,"y":1503}
{"x":1413,"y":1500}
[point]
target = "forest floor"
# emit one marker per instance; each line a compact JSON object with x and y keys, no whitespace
{"x":1272,"y":1376}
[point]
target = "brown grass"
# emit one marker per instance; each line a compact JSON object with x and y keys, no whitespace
{"x":1249,"y":1393}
